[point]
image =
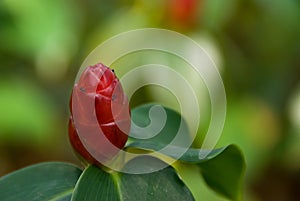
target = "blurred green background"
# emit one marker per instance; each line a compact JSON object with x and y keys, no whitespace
{"x":256,"y":45}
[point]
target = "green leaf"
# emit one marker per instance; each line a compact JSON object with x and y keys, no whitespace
{"x":160,"y":185}
{"x":225,"y":172}
{"x":159,"y":124}
{"x":45,"y":181}
{"x":190,"y":155}
{"x":222,"y":169}
{"x":97,"y":184}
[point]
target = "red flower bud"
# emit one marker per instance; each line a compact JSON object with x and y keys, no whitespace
{"x":100,"y":115}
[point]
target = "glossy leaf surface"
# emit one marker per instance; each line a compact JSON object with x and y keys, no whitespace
{"x":44,"y":181}
{"x":222,"y":168}
{"x":97,"y":184}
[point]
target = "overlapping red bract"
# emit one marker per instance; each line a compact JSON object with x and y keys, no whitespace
{"x":102,"y":112}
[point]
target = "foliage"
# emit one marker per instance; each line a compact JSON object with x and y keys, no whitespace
{"x":222,"y":169}
{"x":255,"y":43}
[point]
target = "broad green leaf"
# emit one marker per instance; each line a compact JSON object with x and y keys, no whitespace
{"x":160,"y":185}
{"x":97,"y":184}
{"x":225,"y":172}
{"x":45,"y":181}
{"x":162,"y":122}
{"x":222,"y":168}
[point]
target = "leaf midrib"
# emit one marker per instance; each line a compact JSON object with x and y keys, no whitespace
{"x":62,"y":194}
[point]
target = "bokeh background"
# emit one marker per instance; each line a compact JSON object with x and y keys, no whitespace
{"x":255,"y":44}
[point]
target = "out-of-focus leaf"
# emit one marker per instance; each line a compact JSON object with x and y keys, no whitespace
{"x":37,"y":23}
{"x":25,"y":113}
{"x":216,"y":12}
{"x":44,"y":31}
{"x":45,"y":181}
{"x":248,"y":131}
